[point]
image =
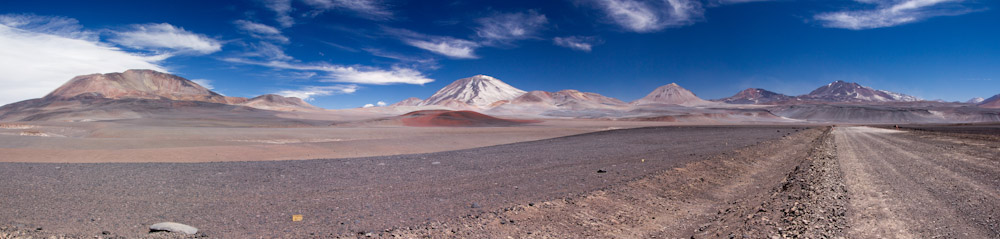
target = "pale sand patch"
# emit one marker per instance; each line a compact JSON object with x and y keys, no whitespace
{"x":98,"y":142}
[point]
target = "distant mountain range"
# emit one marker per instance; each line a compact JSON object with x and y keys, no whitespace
{"x":836,"y":92}
{"x":485,"y":92}
{"x":135,"y":93}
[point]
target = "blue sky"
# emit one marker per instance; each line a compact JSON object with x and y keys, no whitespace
{"x":348,"y":53}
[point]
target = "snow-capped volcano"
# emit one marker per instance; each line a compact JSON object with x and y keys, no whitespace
{"x":479,"y":91}
{"x":671,"y":94}
{"x":840,"y":91}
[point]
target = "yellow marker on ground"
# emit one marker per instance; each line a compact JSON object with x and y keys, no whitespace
{"x":296,"y":218}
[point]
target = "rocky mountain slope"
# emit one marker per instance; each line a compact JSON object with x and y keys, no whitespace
{"x":412,"y":101}
{"x":572,"y":99}
{"x":279,"y":103}
{"x":755,"y":96}
{"x":672,"y":94}
{"x":137,"y":94}
{"x":992,"y":102}
{"x":478,"y":91}
{"x":136,"y":84}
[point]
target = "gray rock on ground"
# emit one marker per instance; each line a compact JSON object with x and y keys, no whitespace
{"x":173,"y":227}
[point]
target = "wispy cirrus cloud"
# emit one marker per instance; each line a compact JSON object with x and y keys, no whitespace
{"x":644,"y":16}
{"x":347,"y":74}
{"x":204,"y":83}
{"x":264,"y":50}
{"x":506,"y":27}
{"x":40,"y":53}
{"x":261,"y":31}
{"x":370,"y":9}
{"x":309,"y":92}
{"x":282,"y":10}
{"x":413,"y":62}
{"x":579,"y":43}
{"x":888,"y":13}
{"x":52,"y":25}
{"x":715,"y":2}
{"x":445,"y":46}
{"x":165,"y":38}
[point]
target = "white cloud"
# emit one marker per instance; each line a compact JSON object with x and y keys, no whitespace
{"x":736,"y":1}
{"x":267,"y":51}
{"x":379,"y":104}
{"x":166,"y":37}
{"x":53,"y":25}
{"x":308,"y":93}
{"x":261,"y":31}
{"x":651,"y":15}
{"x":371,"y":9}
{"x":204,"y":83}
{"x":34,"y":62}
{"x":579,"y":43}
{"x":282,"y":10}
{"x":890,"y":13}
{"x":446,"y":46}
{"x":508,"y":27}
{"x":348,"y":74}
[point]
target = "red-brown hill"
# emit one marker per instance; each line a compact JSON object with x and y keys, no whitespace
{"x":448,"y":118}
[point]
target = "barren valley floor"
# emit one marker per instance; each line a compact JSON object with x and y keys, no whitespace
{"x":667,"y":182}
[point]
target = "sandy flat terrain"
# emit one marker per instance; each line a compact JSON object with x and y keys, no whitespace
{"x":92,"y":142}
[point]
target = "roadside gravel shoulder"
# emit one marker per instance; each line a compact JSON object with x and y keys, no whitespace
{"x":810,"y":202}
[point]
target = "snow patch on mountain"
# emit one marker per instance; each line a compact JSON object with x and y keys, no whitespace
{"x":478,"y":91}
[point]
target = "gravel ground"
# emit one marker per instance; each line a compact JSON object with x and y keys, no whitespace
{"x":338,"y":196}
{"x":914,"y":185}
{"x":810,"y":202}
{"x":864,"y":182}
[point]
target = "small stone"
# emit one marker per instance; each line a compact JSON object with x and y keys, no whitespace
{"x":173,"y":227}
{"x":601,"y":171}
{"x":105,"y":233}
{"x":475,"y":205}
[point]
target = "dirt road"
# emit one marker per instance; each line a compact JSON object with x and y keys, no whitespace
{"x":912,"y":185}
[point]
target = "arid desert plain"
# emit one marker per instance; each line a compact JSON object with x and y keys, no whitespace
{"x":113,"y":155}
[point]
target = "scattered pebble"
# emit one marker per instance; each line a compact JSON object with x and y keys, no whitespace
{"x":173,"y":227}
{"x":601,"y":171}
